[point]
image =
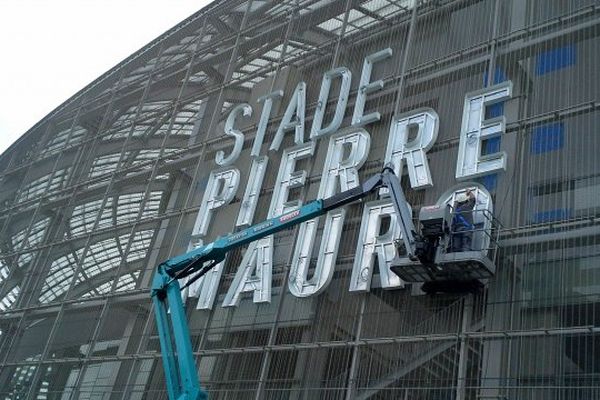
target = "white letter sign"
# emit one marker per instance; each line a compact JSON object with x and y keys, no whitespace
{"x":220,"y":189}
{"x":400,"y":149}
{"x":254,"y":274}
{"x":288,"y":178}
{"x":264,"y":119}
{"x":299,"y":284}
{"x":297,"y":106}
{"x":475,"y":128}
{"x":342,"y":166}
{"x":366,"y":86}
{"x":411,"y":135}
{"x":340,"y":108}
{"x":371,"y":244}
{"x":238,"y":136}
{"x":250,"y":199}
{"x":205,"y":288}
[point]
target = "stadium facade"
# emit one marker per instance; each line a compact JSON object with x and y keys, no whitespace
{"x":160,"y":154}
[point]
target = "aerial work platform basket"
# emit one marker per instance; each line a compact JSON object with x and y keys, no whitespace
{"x":447,"y":267}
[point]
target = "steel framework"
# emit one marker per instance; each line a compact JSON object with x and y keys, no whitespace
{"x":108,"y":185}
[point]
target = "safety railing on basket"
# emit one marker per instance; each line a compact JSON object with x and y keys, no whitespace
{"x":475,"y":230}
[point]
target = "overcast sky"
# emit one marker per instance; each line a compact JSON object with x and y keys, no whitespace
{"x":50,"y":49}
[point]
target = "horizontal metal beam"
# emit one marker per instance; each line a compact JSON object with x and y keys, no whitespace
{"x":137,"y":296}
{"x":435,"y":338}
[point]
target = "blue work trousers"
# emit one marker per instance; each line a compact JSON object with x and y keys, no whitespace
{"x":461,"y":239}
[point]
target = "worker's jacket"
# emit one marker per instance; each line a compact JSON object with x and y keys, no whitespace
{"x":463,"y":215}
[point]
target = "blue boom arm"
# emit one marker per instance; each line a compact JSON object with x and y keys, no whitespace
{"x":178,"y":361}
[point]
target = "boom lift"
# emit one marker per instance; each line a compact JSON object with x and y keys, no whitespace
{"x":425,"y":252}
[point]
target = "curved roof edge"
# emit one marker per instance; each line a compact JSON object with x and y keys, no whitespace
{"x":98,"y":81}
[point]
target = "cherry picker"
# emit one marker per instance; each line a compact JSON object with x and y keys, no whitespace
{"x":426,"y":260}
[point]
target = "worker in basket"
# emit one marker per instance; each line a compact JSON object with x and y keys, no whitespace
{"x":462,"y":222}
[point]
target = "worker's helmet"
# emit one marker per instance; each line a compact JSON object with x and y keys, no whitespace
{"x":462,"y":197}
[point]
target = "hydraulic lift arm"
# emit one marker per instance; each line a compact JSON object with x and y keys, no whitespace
{"x":178,"y":361}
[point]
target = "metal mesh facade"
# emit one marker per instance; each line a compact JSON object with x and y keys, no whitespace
{"x":109,"y":184}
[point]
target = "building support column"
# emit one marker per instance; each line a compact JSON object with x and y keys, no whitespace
{"x":463,"y":353}
{"x":351,"y":388}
